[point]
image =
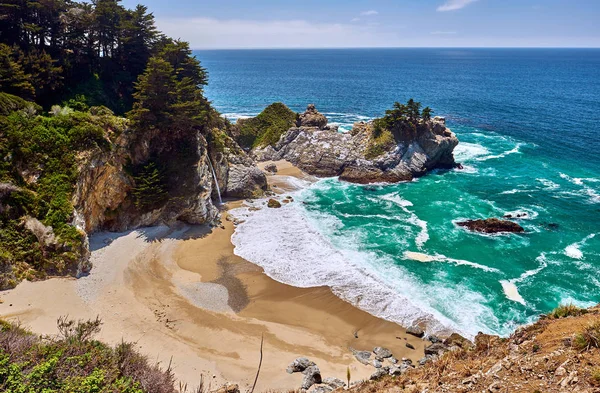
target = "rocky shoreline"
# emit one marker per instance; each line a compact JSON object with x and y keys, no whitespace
{"x":320,"y":150}
{"x":381,"y":359}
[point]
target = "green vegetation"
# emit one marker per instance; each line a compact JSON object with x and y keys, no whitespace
{"x":567,"y":310}
{"x":589,"y":337}
{"x":403,"y":118}
{"x":379,"y":143}
{"x":149,"y":191}
{"x":75,"y":362}
{"x":37,"y":175}
{"x":402,"y":122}
{"x":596,"y":376}
{"x":266,"y":128}
{"x":94,"y":59}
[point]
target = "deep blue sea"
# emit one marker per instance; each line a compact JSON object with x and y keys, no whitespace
{"x":528,"y":121}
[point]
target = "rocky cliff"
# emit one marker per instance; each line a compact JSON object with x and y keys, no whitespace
{"x":365,"y":154}
{"x":104,"y":192}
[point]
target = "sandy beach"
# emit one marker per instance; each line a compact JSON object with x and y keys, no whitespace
{"x":183,"y":296}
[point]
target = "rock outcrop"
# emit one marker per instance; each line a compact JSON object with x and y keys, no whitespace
{"x":491,"y":225}
{"x":359,"y":156}
{"x":312,"y":118}
{"x":103,"y":192}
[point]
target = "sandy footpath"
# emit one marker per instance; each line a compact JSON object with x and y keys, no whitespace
{"x":181,"y":293}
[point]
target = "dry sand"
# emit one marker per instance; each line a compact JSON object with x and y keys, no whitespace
{"x":181,"y":293}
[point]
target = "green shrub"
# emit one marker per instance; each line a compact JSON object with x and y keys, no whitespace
{"x":566,"y":310}
{"x":266,"y":128}
{"x":379,"y":142}
{"x":75,"y":362}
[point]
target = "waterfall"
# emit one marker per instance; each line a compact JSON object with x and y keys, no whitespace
{"x":215,"y":178}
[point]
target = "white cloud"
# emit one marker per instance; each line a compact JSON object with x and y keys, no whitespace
{"x":452,"y":5}
{"x":353,"y":20}
{"x":207,"y":33}
{"x":369,"y":13}
{"x":443,"y":32}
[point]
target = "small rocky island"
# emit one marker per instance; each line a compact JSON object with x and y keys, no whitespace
{"x":402,"y":145}
{"x":492,"y":225}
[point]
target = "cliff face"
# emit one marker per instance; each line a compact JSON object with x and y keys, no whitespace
{"x":103,"y":196}
{"x":103,"y":192}
{"x":363,"y":155}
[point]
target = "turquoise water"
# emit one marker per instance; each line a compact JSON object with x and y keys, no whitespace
{"x":527,"y":121}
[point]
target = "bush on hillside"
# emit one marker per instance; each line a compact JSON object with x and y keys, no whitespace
{"x":567,"y":310}
{"x":75,"y":362}
{"x":266,"y":128}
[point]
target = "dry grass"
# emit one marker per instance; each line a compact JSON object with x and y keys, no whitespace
{"x":589,"y":337}
{"x":567,"y":310}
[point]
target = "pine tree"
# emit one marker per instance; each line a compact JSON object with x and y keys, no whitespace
{"x":149,"y":191}
{"x":13,"y":79}
{"x":426,"y":114}
{"x":156,"y":93}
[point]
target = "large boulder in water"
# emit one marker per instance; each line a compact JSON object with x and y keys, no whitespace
{"x":492,"y":225}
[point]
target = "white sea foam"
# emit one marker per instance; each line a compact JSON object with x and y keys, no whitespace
{"x":574,"y":250}
{"x":585,"y":189}
{"x":514,"y":150}
{"x":234,"y":116}
{"x":421,"y":257}
{"x":413,"y":219}
{"x":549,"y":185}
{"x":510,"y":286}
{"x":292,"y":248}
{"x":466,"y":151}
{"x":512,"y":292}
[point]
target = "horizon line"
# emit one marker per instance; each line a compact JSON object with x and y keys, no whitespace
{"x":398,"y":47}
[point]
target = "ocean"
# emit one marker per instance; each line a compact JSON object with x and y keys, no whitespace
{"x":528,"y":121}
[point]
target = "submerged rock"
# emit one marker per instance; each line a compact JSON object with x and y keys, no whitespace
{"x":492,"y":225}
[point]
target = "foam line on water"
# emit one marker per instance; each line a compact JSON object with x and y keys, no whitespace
{"x":421,"y":257}
{"x":573,"y":251}
{"x":514,"y":150}
{"x":413,"y":219}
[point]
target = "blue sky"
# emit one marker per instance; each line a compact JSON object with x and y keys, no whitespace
{"x":378,"y":23}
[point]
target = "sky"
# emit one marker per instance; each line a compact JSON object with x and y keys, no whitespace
{"x":228,"y":24}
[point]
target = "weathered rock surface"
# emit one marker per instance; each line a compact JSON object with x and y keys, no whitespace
{"x":491,"y":225}
{"x":273,"y":203}
{"x":362,"y":356}
{"x":271,"y":168}
{"x":312,"y":376}
{"x":382,"y":352}
{"x":312,"y":118}
{"x":102,"y":197}
{"x":436,"y":349}
{"x":299,"y":365}
{"x":415,"y":331}
{"x":325,"y":153}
